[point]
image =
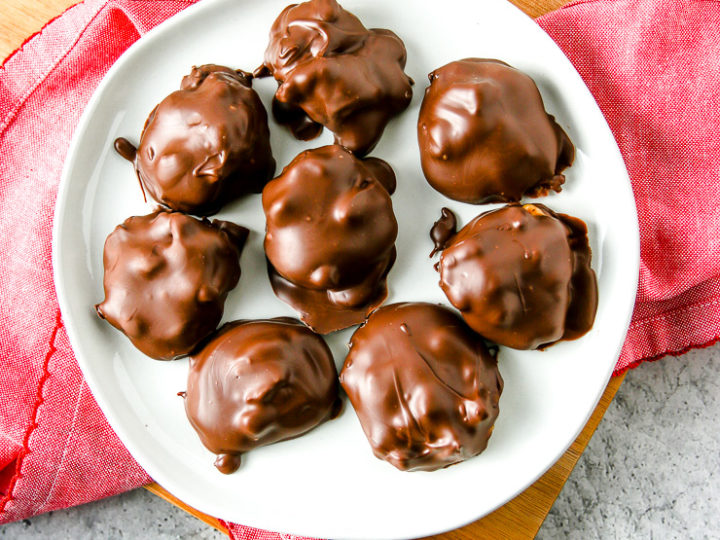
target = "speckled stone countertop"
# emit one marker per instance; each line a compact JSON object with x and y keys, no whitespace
{"x":651,"y":470}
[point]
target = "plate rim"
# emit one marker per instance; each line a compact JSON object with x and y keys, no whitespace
{"x":59,"y":272}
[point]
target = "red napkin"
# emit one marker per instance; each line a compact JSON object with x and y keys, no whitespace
{"x":654,"y":67}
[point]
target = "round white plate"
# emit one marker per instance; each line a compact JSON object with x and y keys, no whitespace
{"x":328,"y":483}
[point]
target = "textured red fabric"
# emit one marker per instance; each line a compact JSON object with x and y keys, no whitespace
{"x":653,"y":66}
{"x":56,"y":448}
{"x":242,"y":532}
{"x":654,"y":69}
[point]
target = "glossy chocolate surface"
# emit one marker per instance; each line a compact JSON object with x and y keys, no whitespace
{"x":424,"y":386}
{"x":258,"y":382}
{"x":484,"y":134}
{"x":442,"y":230}
{"x":521,"y":276}
{"x":167,"y":276}
{"x":330,"y":237}
{"x":332,"y":71}
{"x":205,"y":144}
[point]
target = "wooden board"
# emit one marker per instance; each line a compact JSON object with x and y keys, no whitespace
{"x":518,"y":519}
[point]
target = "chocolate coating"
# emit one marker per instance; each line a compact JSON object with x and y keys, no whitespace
{"x":167,"y":276}
{"x":330,"y":237}
{"x":521,"y":276}
{"x":205,"y":144}
{"x":258,"y":382}
{"x":424,"y":386}
{"x":484,"y":134}
{"x":442,"y":230}
{"x":333,"y":71}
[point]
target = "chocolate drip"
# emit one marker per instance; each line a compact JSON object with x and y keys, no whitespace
{"x":261,"y":72}
{"x":227,"y":463}
{"x":328,"y":310}
{"x":583,"y":284}
{"x":259,"y":382}
{"x":237,"y":234}
{"x":424,"y":386}
{"x":484,"y":134}
{"x":383,"y":172}
{"x":294,"y":118}
{"x":128,"y":151}
{"x":125,"y":148}
{"x":443,"y":230}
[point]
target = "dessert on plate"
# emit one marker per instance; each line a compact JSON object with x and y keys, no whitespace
{"x":334,"y":72}
{"x":484,"y":134}
{"x":424,"y":386}
{"x":330,"y":236}
{"x":205,"y":144}
{"x":520,"y":275}
{"x":166,"y":279}
{"x":257,"y":382}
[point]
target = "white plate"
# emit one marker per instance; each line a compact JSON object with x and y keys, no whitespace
{"x":327,"y":483}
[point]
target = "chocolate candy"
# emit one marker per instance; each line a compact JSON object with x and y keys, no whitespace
{"x":258,"y":382}
{"x":205,"y":144}
{"x":424,"y":386}
{"x":330,"y":238}
{"x":334,"y":72}
{"x":166,"y":279}
{"x":521,"y":276}
{"x":484,"y":134}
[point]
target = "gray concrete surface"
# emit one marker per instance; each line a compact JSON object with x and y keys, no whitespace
{"x":652,"y":469}
{"x":137,"y":514}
